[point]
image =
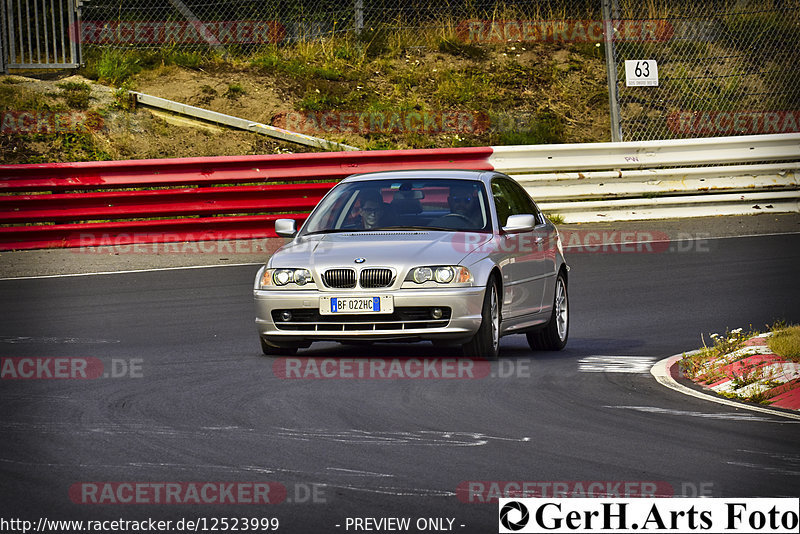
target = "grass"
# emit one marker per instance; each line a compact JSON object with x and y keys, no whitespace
{"x":76,"y":94}
{"x":57,"y":146}
{"x":785,"y":342}
{"x":234,"y":91}
{"x":115,"y":66}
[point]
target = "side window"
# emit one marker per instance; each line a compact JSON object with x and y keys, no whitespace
{"x":511,"y":199}
{"x":501,"y":203}
{"x":526,"y":202}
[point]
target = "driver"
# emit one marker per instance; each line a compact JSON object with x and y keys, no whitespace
{"x":464,"y":206}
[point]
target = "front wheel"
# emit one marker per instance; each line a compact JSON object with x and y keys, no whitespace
{"x":486,"y":342}
{"x":553,"y":336}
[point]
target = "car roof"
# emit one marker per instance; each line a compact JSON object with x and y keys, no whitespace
{"x":438,"y":174}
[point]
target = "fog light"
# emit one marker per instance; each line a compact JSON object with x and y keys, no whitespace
{"x":437,"y":313}
{"x":286,"y":316}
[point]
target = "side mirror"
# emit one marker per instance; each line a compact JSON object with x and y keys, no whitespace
{"x":520,"y":223}
{"x":286,"y":227}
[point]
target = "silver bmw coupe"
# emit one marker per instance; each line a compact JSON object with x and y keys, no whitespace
{"x":449,"y":256}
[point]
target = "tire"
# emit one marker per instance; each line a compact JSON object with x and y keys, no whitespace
{"x":486,"y":341}
{"x":272,"y":350}
{"x":553,"y":336}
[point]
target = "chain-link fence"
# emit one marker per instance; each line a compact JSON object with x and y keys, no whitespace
{"x":725,"y":67}
{"x":306,"y":19}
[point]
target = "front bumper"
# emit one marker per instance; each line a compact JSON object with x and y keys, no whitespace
{"x":464,"y":304}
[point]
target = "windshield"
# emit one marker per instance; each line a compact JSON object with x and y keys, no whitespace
{"x":427,"y":204}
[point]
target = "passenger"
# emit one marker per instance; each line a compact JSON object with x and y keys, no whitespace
{"x":373,"y":212}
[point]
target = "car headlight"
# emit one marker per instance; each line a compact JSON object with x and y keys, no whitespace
{"x":283,"y":277}
{"x":422,"y":274}
{"x":442,"y":274}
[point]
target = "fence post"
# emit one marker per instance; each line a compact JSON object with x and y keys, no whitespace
{"x":77,"y":57}
{"x":359,"y":16}
{"x":3,"y":36}
{"x":611,"y":70}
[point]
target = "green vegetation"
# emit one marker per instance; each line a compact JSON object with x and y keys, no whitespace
{"x":785,"y":342}
{"x":234,"y":91}
{"x":114,"y":66}
{"x":40,"y":139}
{"x":76,"y":94}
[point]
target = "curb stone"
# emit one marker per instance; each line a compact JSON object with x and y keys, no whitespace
{"x":666,"y":372}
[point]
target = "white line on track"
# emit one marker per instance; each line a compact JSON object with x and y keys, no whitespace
{"x":130,"y":271}
{"x":357,"y":473}
{"x":615,"y":364}
{"x":55,"y":340}
{"x":687,"y":413}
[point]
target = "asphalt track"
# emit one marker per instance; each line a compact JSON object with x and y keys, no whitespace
{"x":208,"y":407}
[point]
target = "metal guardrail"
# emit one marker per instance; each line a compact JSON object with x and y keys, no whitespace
{"x":188,"y":199}
{"x":659,"y":179}
{"x":224,"y":198}
{"x":520,"y":160}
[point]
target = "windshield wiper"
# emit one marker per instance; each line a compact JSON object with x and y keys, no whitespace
{"x":410,"y":228}
{"x":330,"y":231}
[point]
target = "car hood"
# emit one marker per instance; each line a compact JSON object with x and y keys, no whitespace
{"x":387,"y":249}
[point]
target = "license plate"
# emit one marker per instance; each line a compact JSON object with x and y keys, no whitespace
{"x":349,"y":305}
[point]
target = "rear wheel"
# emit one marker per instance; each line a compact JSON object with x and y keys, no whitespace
{"x":271,"y":349}
{"x":486,"y":342}
{"x":553,"y":336}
